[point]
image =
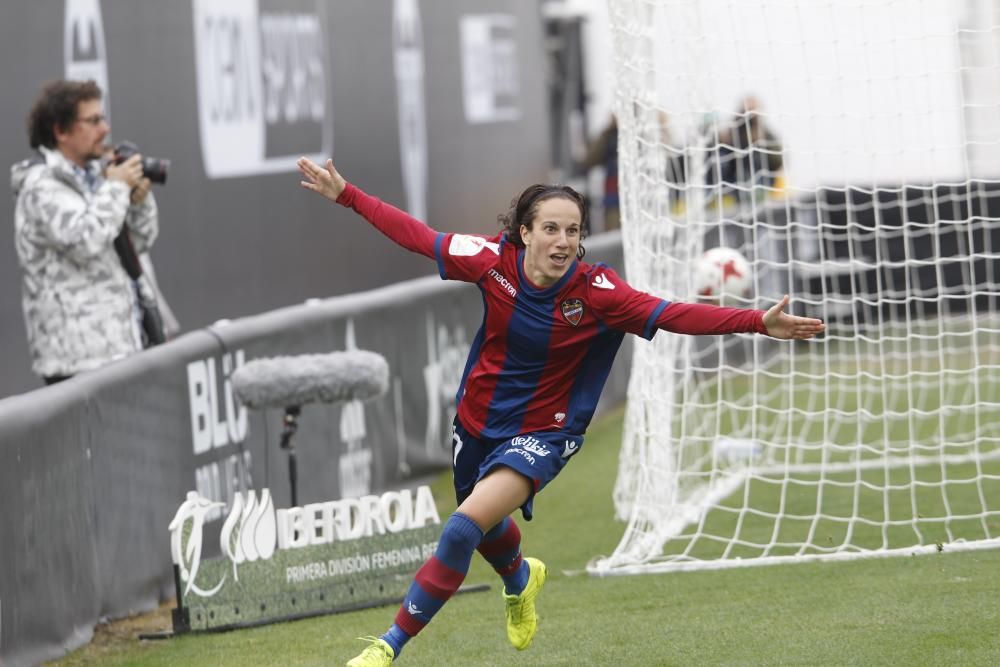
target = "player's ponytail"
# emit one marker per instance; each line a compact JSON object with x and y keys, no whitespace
{"x":523,"y":209}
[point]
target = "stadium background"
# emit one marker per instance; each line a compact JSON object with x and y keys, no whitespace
{"x":231,"y":92}
{"x":237,"y":245}
{"x":99,"y":463}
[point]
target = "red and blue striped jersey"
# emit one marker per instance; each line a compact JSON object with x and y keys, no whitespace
{"x":542,"y":355}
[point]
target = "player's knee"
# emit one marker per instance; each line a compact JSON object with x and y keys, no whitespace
{"x":461,"y":533}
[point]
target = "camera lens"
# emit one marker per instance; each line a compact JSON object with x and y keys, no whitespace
{"x":155,"y":169}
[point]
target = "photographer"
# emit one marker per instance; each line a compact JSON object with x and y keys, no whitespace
{"x":81,"y":307}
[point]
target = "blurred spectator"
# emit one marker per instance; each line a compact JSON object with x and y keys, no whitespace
{"x":748,"y":158}
{"x":603,"y":152}
{"x":653,"y":125}
{"x":81,"y":308}
{"x":675,"y":170}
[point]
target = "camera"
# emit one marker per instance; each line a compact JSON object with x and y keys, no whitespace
{"x":153,"y":168}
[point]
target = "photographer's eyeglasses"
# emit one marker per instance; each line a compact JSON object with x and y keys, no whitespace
{"x":94,"y":120}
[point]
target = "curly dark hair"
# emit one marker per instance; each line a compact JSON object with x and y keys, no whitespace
{"x":56,"y":106}
{"x":523,"y":209}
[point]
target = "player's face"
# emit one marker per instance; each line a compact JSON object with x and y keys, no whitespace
{"x":84,"y":140}
{"x":551,"y":244}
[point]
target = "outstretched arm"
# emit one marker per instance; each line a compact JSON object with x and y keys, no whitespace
{"x":399,"y":226}
{"x":782,"y":325}
{"x":622,"y":307}
{"x":700,"y":318}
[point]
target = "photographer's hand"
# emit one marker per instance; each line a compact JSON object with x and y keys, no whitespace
{"x":128,"y":172}
{"x":326,"y":181}
{"x":140,"y":191}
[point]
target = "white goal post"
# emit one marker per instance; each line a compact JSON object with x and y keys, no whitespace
{"x":850,"y":150}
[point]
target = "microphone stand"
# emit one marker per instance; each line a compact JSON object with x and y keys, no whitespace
{"x":291,"y":423}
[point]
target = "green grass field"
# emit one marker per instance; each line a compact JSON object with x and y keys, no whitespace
{"x":865,"y":446}
{"x":923,"y":610}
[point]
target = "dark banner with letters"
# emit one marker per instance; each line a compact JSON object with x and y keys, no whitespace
{"x":437,"y":107}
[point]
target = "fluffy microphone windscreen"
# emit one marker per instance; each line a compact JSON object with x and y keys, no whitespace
{"x":280,"y":382}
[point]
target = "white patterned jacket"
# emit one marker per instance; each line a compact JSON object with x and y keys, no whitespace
{"x":80,"y":306}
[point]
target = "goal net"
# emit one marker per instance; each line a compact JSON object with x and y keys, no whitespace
{"x":851,"y":152}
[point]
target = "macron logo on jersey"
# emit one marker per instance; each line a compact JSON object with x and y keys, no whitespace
{"x":503,"y":282}
{"x":602,"y":281}
{"x":464,"y":245}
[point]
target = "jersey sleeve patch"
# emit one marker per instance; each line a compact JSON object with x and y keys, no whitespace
{"x":466,"y":257}
{"x":466,"y":245}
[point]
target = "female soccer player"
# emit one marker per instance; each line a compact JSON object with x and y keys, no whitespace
{"x":551,"y":329}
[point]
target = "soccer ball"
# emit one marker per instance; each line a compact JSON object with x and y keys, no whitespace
{"x":722,"y":275}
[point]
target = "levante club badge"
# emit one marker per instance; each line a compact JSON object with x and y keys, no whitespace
{"x":572,"y":310}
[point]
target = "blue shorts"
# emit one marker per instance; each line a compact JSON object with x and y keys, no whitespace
{"x":539,"y":456}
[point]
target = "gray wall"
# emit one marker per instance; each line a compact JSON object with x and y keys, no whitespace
{"x":240,"y":245}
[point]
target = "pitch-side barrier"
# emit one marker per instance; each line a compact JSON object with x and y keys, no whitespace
{"x":93,"y":469}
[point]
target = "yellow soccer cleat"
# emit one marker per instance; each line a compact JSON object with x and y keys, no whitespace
{"x":378,"y":654}
{"x":522,"y":621}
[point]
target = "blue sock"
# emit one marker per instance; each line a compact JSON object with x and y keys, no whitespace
{"x":396,"y":638}
{"x":436,"y":581}
{"x":501,"y":546}
{"x":514,"y":583}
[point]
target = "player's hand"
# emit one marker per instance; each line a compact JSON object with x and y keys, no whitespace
{"x":140,"y":191}
{"x":327,"y":181}
{"x":784,"y":326}
{"x":128,"y":172}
